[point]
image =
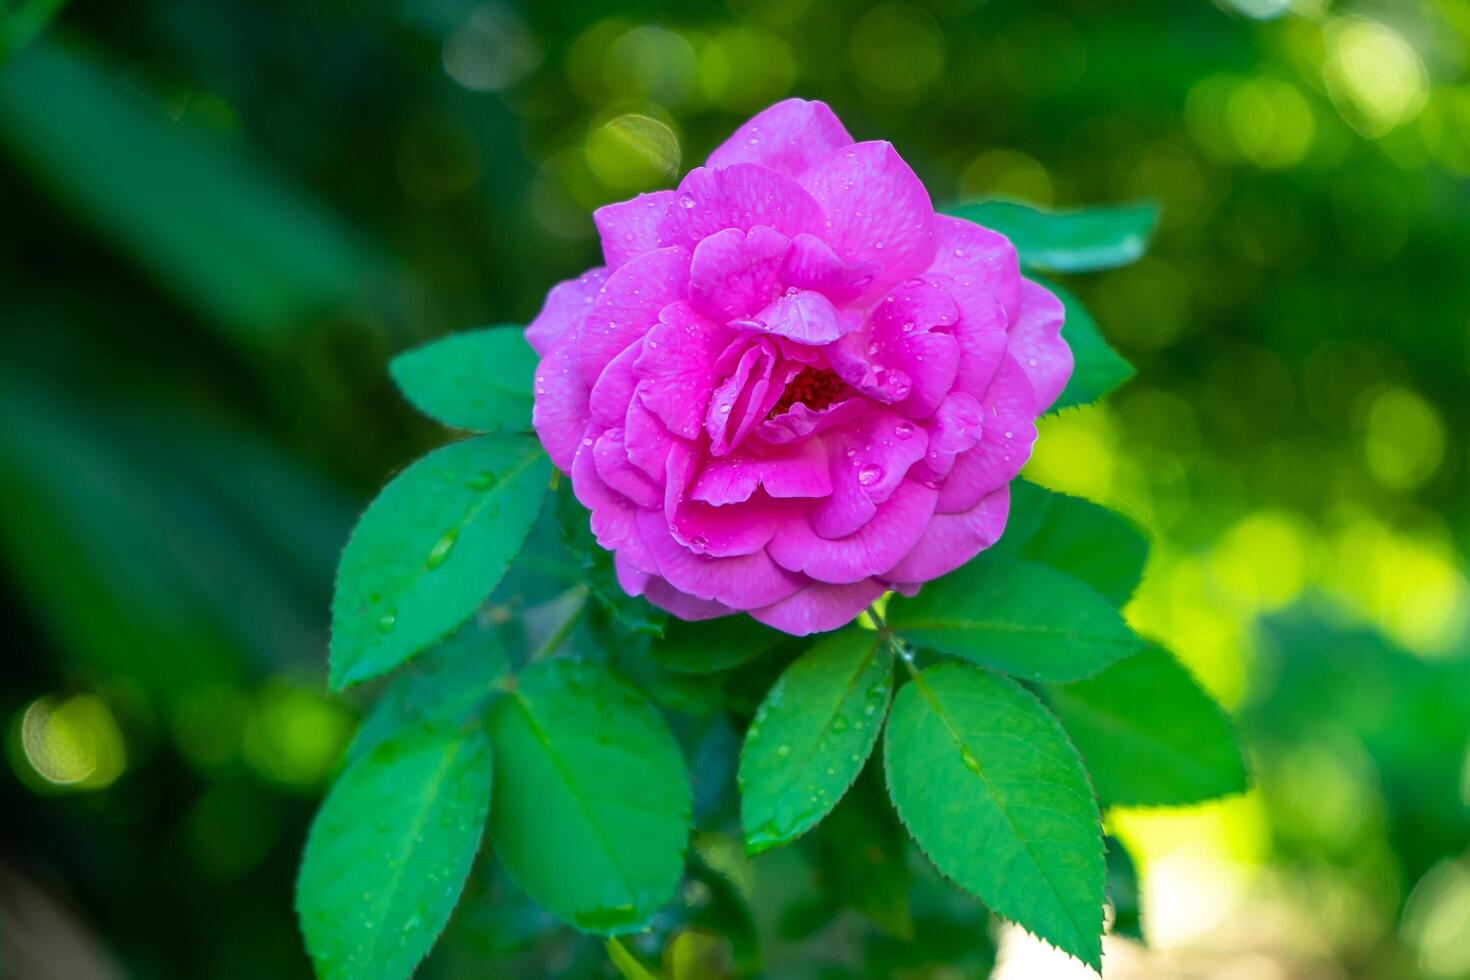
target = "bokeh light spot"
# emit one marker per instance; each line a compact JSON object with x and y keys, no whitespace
{"x":491,"y":50}
{"x":294,"y":736}
{"x":1373,"y":74}
{"x":1270,"y":122}
{"x":1007,"y":173}
{"x":897,"y":51}
{"x":634,"y":152}
{"x":743,"y":69}
{"x":72,"y":743}
{"x":1403,"y":438}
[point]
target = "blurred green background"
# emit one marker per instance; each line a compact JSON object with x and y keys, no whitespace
{"x":217,"y":221}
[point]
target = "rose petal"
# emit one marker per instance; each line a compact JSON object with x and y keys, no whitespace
{"x":677,"y":365}
{"x":798,"y":471}
{"x":743,"y":582}
{"x":614,"y":519}
{"x":630,"y":579}
{"x":647,"y":440}
{"x":735,"y":273}
{"x":614,"y":388}
{"x":560,"y":412}
{"x":610,"y":457}
{"x":630,"y":228}
{"x":743,"y":399}
{"x":1037,"y":345}
{"x":954,"y":428}
{"x":1008,"y":415}
{"x":981,"y":262}
{"x":819,"y":607}
{"x":659,"y":592}
{"x":893,"y":532}
{"x":875,"y":456}
{"x":951,"y":540}
{"x":789,"y":137}
{"x":811,"y":264}
{"x":567,"y":304}
{"x":628,"y":305}
{"x":877,"y":209}
{"x":805,"y":316}
{"x":742,"y":196}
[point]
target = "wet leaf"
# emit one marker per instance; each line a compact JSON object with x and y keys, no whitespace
{"x":479,"y":380}
{"x":1017,"y":617}
{"x":389,"y":851}
{"x":592,"y":805}
{"x":988,"y":785}
{"x":811,"y":736}
{"x":430,"y":548}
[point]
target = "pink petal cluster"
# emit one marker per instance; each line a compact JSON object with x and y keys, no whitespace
{"x":793,"y":386}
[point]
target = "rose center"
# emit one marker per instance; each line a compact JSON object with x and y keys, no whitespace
{"x":816,"y":388}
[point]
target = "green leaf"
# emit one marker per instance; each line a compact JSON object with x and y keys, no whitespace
{"x":1150,"y":735}
{"x":479,"y":380}
{"x":429,"y":550}
{"x":1123,"y":892}
{"x":449,"y":682}
{"x":1075,"y":536}
{"x":389,"y":851}
{"x":712,"y":646}
{"x":231,"y":238}
{"x":1018,"y":617}
{"x":990,"y":788}
{"x":811,"y":736}
{"x":591,"y":813}
{"x":863,"y":856}
{"x":1097,"y":369}
{"x":1067,"y":241}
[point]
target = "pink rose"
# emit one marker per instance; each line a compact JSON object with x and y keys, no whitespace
{"x":793,"y":386}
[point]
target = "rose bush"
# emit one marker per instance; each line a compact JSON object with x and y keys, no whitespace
{"x":794,"y":386}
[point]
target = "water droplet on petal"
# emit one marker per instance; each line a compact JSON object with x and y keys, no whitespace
{"x":870,"y":474}
{"x":686,"y":201}
{"x":904,"y":429}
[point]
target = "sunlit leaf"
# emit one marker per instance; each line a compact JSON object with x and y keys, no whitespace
{"x":389,"y":851}
{"x":1067,"y":241}
{"x":1149,"y":734}
{"x":1017,"y":616}
{"x":429,"y":550}
{"x":1090,"y":543}
{"x":592,"y":805}
{"x":995,"y":795}
{"x":479,"y":380}
{"x":811,"y":736}
{"x":1097,"y":368}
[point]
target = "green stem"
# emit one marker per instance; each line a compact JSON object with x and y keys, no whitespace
{"x":562,"y":631}
{"x":900,"y":649}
